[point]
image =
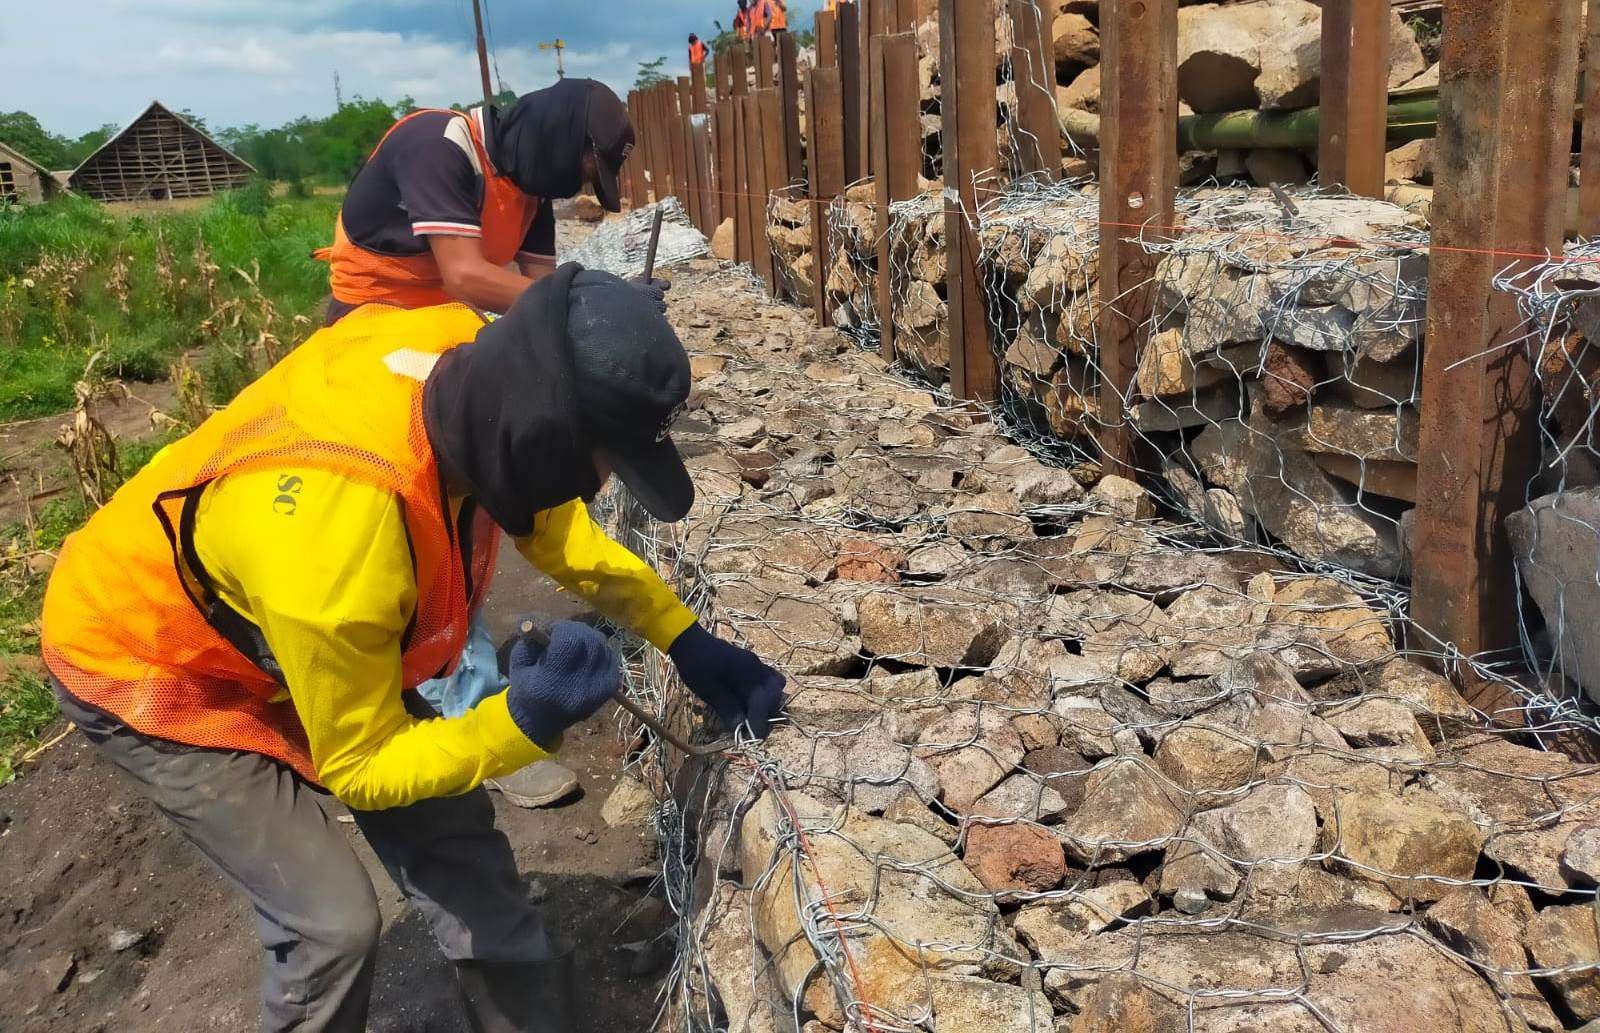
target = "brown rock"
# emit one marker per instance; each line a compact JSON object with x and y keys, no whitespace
{"x":1038,"y":732}
{"x":931,"y":628}
{"x":1332,"y":626}
{"x":1466,"y":922}
{"x":1393,"y":839}
{"x":1392,"y":480}
{"x":1063,"y":770}
{"x":1379,"y":722}
{"x":1289,"y":375}
{"x":1410,"y":163}
{"x":917,"y":928}
{"x":864,"y":560}
{"x":1127,"y":810}
{"x":1054,"y":929}
{"x":732,"y":961}
{"x":1120,"y":1003}
{"x":1075,"y":41}
{"x":978,"y":1004}
{"x":1562,"y":936}
{"x":585,"y":208}
{"x":1015,"y":858}
{"x":1082,"y":93}
{"x":1200,"y":759}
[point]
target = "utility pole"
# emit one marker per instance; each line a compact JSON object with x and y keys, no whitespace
{"x":483,"y":53}
{"x":558,"y":45}
{"x":338,"y":94}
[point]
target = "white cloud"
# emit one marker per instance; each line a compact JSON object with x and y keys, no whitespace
{"x":250,"y":56}
{"x":270,"y":61}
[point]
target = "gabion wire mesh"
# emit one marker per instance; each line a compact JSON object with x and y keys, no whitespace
{"x":1065,"y":754}
{"x":1049,"y":756}
{"x":1556,"y":538}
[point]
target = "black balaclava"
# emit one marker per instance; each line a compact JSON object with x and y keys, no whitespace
{"x":502,"y":414}
{"x":539,"y":142}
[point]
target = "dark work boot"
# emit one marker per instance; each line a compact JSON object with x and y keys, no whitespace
{"x":519,"y":996}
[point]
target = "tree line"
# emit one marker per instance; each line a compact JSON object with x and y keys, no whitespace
{"x":323,"y":150}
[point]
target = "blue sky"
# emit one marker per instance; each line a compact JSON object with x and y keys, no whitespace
{"x":268,"y":61}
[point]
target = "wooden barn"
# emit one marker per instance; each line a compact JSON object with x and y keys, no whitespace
{"x":23,"y":180}
{"x":159,"y":157}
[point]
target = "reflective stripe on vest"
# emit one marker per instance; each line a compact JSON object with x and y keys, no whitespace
{"x":360,"y":276}
{"x":129,"y":624}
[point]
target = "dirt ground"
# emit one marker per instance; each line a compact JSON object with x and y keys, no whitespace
{"x":34,"y":471}
{"x":84,"y":860}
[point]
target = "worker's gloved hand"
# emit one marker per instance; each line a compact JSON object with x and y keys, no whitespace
{"x":654,"y":286}
{"x":553,"y":689}
{"x":732,"y":681}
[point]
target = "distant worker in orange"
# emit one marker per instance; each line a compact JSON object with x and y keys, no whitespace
{"x":772,"y":16}
{"x":456,"y":205}
{"x":741,"y":21}
{"x":697,"y":51}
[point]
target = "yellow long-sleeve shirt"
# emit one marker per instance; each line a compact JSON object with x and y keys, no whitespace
{"x":329,"y":581}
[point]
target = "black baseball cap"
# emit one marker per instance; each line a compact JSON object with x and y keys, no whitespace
{"x":631,"y":381}
{"x":611,"y":133}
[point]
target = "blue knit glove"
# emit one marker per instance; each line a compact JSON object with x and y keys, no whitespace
{"x":732,"y":681}
{"x":553,"y":689}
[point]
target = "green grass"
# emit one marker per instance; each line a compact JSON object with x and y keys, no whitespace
{"x":27,"y":706}
{"x":77,"y":279}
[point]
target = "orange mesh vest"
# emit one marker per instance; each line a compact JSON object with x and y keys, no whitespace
{"x":697,"y":53}
{"x":777,"y":18}
{"x":130,"y":625}
{"x":359,"y":276}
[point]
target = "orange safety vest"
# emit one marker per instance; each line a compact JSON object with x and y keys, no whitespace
{"x":774,"y":16}
{"x":130,"y":623}
{"x":359,"y":276}
{"x":741,"y":25}
{"x":697,"y":52}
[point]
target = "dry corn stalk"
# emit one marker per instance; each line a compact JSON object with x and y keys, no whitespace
{"x":192,"y":407}
{"x":88,"y":444}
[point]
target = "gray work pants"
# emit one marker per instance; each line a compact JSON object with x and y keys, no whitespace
{"x":266,"y":830}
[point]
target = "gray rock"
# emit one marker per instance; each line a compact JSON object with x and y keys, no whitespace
{"x":916,"y":928}
{"x":1290,"y":495}
{"x":932,"y":627}
{"x":1127,"y":810}
{"x":1263,"y":835}
{"x":734,"y":964}
{"x":960,"y":1005}
{"x":1555,"y":542}
{"x":971,"y":752}
{"x":1023,"y":796}
{"x":1055,"y":929}
{"x":1581,"y":855}
{"x":879,"y":769}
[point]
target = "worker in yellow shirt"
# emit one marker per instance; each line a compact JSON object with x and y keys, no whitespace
{"x":241,"y":627}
